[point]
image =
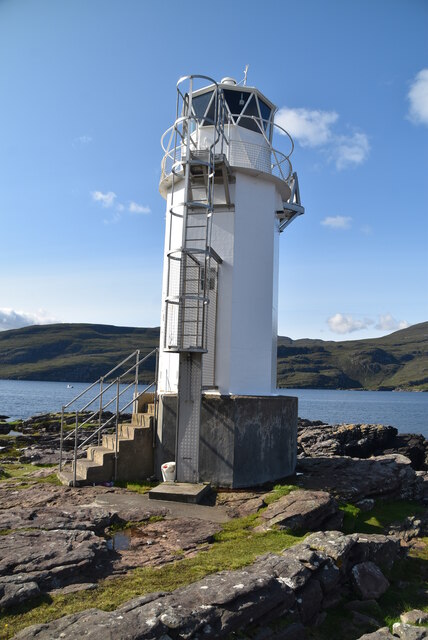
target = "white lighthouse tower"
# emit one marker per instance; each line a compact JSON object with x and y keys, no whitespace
{"x":229,"y":194}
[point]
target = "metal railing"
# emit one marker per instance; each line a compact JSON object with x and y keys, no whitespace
{"x":114,"y":387}
{"x":239,"y":153}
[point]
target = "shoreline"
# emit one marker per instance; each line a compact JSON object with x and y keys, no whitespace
{"x":305,"y":551}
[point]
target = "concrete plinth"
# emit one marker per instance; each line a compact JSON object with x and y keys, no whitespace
{"x":179,"y":492}
{"x":245,"y":441}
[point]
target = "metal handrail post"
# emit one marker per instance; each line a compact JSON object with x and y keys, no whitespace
{"x":137,"y":362}
{"x":61,"y":438}
{"x":117,"y":428}
{"x":75,"y":449}
{"x":155,"y":400}
{"x":101,"y":410}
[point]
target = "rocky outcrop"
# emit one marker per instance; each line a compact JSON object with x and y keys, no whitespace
{"x":399,"y":630}
{"x":353,"y":479}
{"x":302,"y":510}
{"x":34,"y":560}
{"x":302,"y":581}
{"x":360,"y":441}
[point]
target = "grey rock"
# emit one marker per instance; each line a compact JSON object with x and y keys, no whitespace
{"x":333,"y":544}
{"x":66,"y":517}
{"x":355,"y":440}
{"x":300,"y":510}
{"x":416,"y":616}
{"x":380,"y":549}
{"x":13,"y":593}
{"x":309,"y":601}
{"x":329,"y":576}
{"x":380,"y":634}
{"x":360,"y":441}
{"x":38,"y":560}
{"x":352,"y":479}
{"x":368,"y":580}
{"x":409,"y":632}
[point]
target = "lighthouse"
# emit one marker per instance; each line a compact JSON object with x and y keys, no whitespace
{"x":230,"y":192}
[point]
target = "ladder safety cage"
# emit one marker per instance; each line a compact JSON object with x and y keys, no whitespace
{"x":191,"y":208}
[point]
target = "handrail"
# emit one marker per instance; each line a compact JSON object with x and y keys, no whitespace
{"x":170,"y":146}
{"x":104,"y":405}
{"x":99,"y":379}
{"x":113,"y":416}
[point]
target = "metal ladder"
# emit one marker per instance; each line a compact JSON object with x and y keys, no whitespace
{"x":189,"y":268}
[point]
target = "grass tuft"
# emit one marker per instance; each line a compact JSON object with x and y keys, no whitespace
{"x":383,"y":514}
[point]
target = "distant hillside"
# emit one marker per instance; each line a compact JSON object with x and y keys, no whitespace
{"x":83,"y":352}
{"x":72,"y":352}
{"x":396,"y":361}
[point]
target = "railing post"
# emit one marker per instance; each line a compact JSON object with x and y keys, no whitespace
{"x":137,"y":364}
{"x":117,"y":428}
{"x":101,"y":410}
{"x":61,"y":438}
{"x":155,"y":399}
{"x":75,"y":449}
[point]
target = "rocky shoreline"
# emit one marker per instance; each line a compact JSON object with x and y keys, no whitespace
{"x":339,"y":546}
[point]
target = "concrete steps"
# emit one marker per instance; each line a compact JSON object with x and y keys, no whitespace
{"x":131,"y":459}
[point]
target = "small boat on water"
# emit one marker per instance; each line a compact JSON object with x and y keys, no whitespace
{"x":70,"y":386}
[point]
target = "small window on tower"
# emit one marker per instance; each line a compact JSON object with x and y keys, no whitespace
{"x":236,"y":101}
{"x":248,"y":117}
{"x":200,"y":104}
{"x":265,"y":111}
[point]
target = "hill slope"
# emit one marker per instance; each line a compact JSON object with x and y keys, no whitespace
{"x":399,"y":360}
{"x":83,"y":352}
{"x":72,"y":352}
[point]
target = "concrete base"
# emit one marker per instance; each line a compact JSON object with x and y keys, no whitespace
{"x":179,"y":492}
{"x":245,"y":441}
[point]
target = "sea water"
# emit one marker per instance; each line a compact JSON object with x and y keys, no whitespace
{"x":407,"y":411}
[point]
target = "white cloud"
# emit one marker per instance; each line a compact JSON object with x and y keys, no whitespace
{"x":348,"y":151}
{"x":11,"y":319}
{"x":344,"y":323}
{"x":316,"y":128}
{"x":418,"y":98}
{"x":337,"y":222}
{"x":134,"y":207}
{"x":82,"y":140}
{"x":310,"y":127}
{"x":367,"y":230}
{"x":106,"y":199}
{"x":388,"y":323}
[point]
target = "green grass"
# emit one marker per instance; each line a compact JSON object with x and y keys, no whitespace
{"x":383,"y":514}
{"x":22,"y":471}
{"x":236,"y":546}
{"x":279,"y":491}
{"x":137,"y":487}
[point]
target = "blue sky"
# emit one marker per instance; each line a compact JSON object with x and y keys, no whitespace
{"x":88,"y":87}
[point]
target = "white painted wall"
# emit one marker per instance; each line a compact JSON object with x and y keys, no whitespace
{"x":247,"y":240}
